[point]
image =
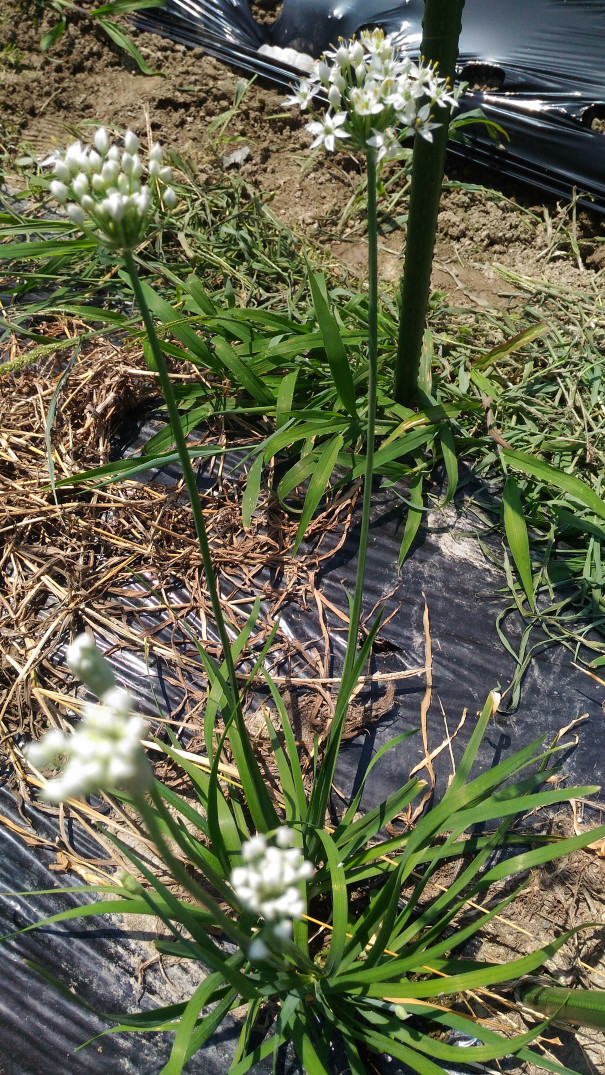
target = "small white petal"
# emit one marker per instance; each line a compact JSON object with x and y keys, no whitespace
{"x":169,"y":198}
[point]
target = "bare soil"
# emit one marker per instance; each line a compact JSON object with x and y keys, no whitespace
{"x":47,"y":98}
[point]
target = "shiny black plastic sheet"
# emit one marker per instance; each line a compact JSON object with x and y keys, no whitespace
{"x":537,"y":65}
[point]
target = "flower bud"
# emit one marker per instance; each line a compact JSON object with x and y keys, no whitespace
{"x":169,"y":198}
{"x":95,"y":161}
{"x":75,"y":213}
{"x":59,"y":191}
{"x":62,"y":172}
{"x":154,"y":168}
{"x":101,"y":141}
{"x":143,"y":201}
{"x":110,"y":171}
{"x":156,"y":153}
{"x":165,"y":174}
{"x":87,"y":203}
{"x":131,"y":143}
{"x":80,"y":186}
{"x":98,"y":182}
{"x":334,"y":97}
{"x":357,"y":53}
{"x":115,"y":206}
{"x":88,"y":664}
{"x":127,"y":163}
{"x":137,"y":167}
{"x":123,"y":184}
{"x":113,"y":153}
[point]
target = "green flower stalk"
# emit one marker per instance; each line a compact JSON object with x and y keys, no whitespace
{"x":441,"y":30}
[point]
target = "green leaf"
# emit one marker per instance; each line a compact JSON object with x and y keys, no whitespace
{"x":518,"y":540}
{"x":537,"y":468}
{"x":244,"y":376}
{"x":334,"y":346}
{"x":450,"y":459}
{"x":339,"y":902}
{"x":200,"y":998}
{"x":51,"y":37}
{"x":285,"y":395}
{"x":252,"y":490}
{"x":413,"y":520}
{"x":317,"y":485}
{"x":123,"y":41}
{"x":513,"y":344}
{"x":45,"y":248}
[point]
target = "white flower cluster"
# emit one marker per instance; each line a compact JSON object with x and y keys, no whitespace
{"x":376,"y":96}
{"x":105,"y":750}
{"x":269,"y":883}
{"x":102,"y":188}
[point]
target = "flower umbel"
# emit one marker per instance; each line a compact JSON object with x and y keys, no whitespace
{"x":376,"y":95}
{"x":269,"y":883}
{"x":105,"y":750}
{"x":103,"y":191}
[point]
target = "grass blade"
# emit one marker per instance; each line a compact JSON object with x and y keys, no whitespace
{"x":518,"y":539}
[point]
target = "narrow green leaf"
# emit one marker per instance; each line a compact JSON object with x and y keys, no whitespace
{"x":317,"y":485}
{"x":124,"y":42}
{"x":537,"y":468}
{"x":513,"y":344}
{"x":450,"y":459}
{"x":51,"y":37}
{"x":518,"y":539}
{"x":413,"y":520}
{"x":252,"y":490}
{"x":243,"y":374}
{"x":334,"y":346}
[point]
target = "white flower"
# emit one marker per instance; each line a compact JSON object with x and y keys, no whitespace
{"x":371,"y":77}
{"x":269,"y":882}
{"x":75,"y":213}
{"x":334,"y":96}
{"x":385,"y":143}
{"x":366,"y":101}
{"x":302,"y":96}
{"x":110,"y":198}
{"x":326,"y":131}
{"x":104,"y":751}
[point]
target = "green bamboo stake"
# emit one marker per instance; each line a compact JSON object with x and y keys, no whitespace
{"x":440,"y":33}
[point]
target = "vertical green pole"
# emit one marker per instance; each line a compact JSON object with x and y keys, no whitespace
{"x":440,"y":33}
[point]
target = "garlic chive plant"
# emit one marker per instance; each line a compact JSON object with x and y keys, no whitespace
{"x":376,"y":97}
{"x":380,"y":968}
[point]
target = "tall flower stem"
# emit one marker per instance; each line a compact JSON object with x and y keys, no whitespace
{"x":188,"y":474}
{"x":355,"y":615}
{"x":440,"y":32}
